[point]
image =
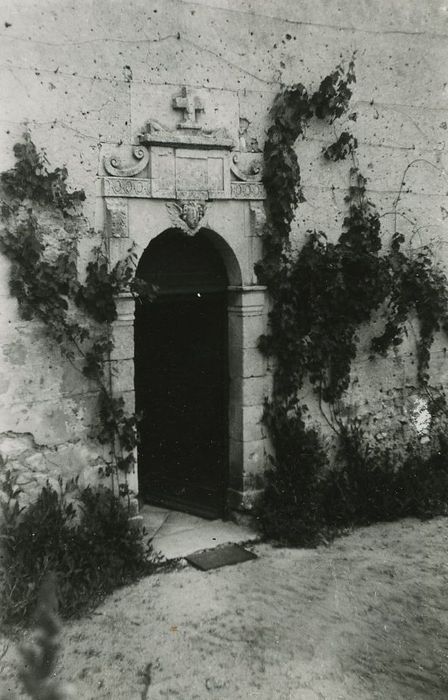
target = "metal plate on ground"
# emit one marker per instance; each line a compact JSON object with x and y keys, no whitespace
{"x":226,"y":555}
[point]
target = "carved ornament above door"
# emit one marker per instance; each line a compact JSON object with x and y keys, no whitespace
{"x":188,"y":164}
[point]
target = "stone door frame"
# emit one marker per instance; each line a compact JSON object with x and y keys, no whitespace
{"x":135,"y":211}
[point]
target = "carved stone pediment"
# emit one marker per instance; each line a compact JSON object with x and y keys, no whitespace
{"x":155,"y":134}
{"x":188,"y":164}
{"x":189,"y":132}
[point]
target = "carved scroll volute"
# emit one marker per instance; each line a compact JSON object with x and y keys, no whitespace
{"x":247,"y":167}
{"x":113,"y":166}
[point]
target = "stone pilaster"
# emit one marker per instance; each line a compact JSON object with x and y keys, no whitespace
{"x":122,"y":363}
{"x":249,"y":384}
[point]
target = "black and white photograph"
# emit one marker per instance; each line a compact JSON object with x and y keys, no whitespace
{"x":224,"y":349}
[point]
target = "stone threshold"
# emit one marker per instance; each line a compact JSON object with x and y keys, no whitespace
{"x":176,"y":535}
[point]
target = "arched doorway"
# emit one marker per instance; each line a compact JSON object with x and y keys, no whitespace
{"x":181,"y":375}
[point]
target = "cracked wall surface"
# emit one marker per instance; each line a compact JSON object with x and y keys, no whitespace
{"x":86,"y":76}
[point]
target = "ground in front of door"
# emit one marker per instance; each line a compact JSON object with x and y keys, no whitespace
{"x":175,"y":534}
{"x":364,"y":618}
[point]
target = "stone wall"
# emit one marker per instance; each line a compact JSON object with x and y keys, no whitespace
{"x":86,"y":76}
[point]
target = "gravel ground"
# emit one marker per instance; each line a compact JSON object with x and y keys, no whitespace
{"x":366,"y":617}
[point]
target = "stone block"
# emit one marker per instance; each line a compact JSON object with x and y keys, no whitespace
{"x":122,"y":372}
{"x":129,"y":400}
{"x":245,"y":422}
{"x":36,"y":462}
{"x":245,"y":333}
{"x":227,"y":219}
{"x":118,"y":250}
{"x":125,"y":303}
{"x":248,"y":461}
{"x":243,"y":501}
{"x":14,"y":445}
{"x":123,"y":339}
{"x":248,"y":362}
{"x":250,"y":391}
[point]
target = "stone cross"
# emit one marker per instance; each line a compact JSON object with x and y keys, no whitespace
{"x":189,"y":104}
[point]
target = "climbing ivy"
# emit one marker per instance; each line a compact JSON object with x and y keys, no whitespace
{"x":44,"y":279}
{"x":323,"y":295}
{"x":31,"y":180}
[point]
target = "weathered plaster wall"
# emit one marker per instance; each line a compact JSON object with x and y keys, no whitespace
{"x":86,"y":75}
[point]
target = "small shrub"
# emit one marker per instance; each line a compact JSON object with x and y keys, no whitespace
{"x":371,"y":486}
{"x":290,"y":509}
{"x":361,"y":487}
{"x":85,"y":537}
{"x":305,"y":502}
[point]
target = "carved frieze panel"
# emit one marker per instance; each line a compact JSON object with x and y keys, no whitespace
{"x":247,"y":190}
{"x":163,"y":186}
{"x":184,"y":173}
{"x":126,"y":187}
{"x":199,"y":195}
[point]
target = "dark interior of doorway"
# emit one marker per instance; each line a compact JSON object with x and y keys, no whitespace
{"x":181,"y":376}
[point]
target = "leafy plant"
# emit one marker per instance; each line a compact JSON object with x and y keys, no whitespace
{"x":84,"y":537}
{"x":420,"y":287}
{"x":31,"y":179}
{"x":290,"y":509}
{"x":343,"y":147}
{"x":369,"y":485}
{"x":306,"y":503}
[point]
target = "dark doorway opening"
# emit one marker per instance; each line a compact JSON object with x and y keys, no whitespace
{"x":181,"y":376}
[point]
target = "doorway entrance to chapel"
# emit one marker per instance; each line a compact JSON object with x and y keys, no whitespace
{"x":181,"y":375}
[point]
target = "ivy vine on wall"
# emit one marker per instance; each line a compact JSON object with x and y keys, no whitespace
{"x":77,"y":315}
{"x":326,"y":293}
{"x":322,"y":297}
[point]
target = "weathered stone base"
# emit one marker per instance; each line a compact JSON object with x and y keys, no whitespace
{"x":243,"y":501}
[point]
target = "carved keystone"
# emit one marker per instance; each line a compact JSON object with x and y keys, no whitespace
{"x":187,"y":216}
